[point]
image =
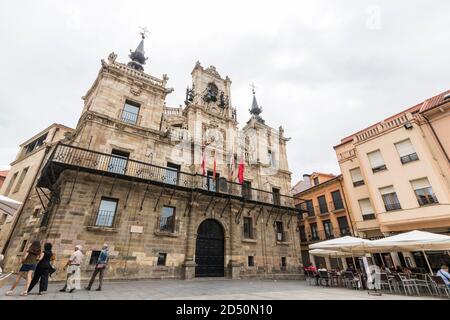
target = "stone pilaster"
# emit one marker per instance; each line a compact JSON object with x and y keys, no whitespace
{"x":189,"y":263}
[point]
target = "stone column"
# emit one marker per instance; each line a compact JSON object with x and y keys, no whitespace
{"x":189,"y":262}
{"x":328,"y":263}
{"x":234,"y":265}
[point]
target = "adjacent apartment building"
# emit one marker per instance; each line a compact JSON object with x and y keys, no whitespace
{"x":326,"y":215}
{"x":20,"y":179}
{"x":396,"y":174}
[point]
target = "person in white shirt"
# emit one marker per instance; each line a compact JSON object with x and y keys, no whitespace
{"x":443,"y":273}
{"x":73,"y":270}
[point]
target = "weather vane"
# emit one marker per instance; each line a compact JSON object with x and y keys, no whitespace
{"x":143,"y":32}
{"x":252,"y":85}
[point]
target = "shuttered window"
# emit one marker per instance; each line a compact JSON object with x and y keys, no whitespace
{"x":376,"y":161}
{"x":356,"y":177}
{"x":424,"y":192}
{"x":390,"y":198}
{"x":406,"y":151}
{"x":405,"y":148}
{"x":366,"y":206}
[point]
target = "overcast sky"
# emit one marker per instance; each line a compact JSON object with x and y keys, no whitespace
{"x":322,"y":70}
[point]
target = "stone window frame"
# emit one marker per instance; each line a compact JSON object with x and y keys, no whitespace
{"x":94,"y":214}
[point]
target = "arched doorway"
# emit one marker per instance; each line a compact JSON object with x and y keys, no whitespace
{"x":209,"y":249}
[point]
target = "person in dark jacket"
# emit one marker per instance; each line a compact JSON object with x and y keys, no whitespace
{"x":42,"y":270}
{"x":100,"y":268}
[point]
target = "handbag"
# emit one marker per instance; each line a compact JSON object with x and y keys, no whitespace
{"x":51,"y":269}
{"x":100,"y":266}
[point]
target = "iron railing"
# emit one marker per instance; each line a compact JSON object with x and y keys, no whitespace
{"x":321,"y":235}
{"x":107,"y":164}
{"x":130,"y":117}
{"x":337,"y":205}
{"x":167,"y":224}
{"x":392,"y":206}
{"x":427,"y":199}
{"x":409,"y":158}
{"x":104,"y":219}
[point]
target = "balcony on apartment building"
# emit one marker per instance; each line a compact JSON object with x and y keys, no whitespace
{"x":119,"y":166}
{"x":322,"y":235}
{"x":336,"y":206}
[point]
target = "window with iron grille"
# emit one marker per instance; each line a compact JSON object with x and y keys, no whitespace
{"x":424,"y":192}
{"x":328,"y":227}
{"x":337,"y":200}
{"x":314,"y":231}
{"x":106,"y":212}
{"x":406,"y":151}
{"x":118,"y":161}
{"x":161,"y":259}
{"x":280,"y":230}
{"x":356,"y":177}
{"x":390,"y":199}
{"x":248,"y":228}
{"x":376,"y":161}
{"x":309,"y":207}
{"x":130,"y":112}
{"x":322,"y":204}
{"x":167,"y":220}
{"x":172,"y":173}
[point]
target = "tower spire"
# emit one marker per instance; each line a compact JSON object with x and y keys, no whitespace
{"x":255,"y":110}
{"x":137,"y":56}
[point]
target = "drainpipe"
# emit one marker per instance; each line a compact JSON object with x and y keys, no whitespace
{"x":347,"y":207}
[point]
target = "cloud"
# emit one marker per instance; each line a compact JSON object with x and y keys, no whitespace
{"x":322,"y":70}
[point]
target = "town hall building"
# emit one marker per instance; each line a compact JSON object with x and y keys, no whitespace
{"x":175,"y":192}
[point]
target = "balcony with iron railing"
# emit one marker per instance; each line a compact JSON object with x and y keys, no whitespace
{"x":336,"y":205}
{"x":103,"y":219}
{"x":130,"y":117}
{"x":167,"y":224}
{"x":322,"y":235}
{"x":79,"y":159}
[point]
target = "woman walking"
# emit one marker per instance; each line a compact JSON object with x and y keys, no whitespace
{"x":29,"y":262}
{"x":42,"y":270}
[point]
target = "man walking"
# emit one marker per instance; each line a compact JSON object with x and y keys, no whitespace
{"x":100,"y":268}
{"x":73,"y":270}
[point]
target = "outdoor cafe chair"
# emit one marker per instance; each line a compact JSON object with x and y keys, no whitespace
{"x":408,"y":285}
{"x":351,"y":281}
{"x":324,"y":278}
{"x":439,"y":285}
{"x":421,"y":281}
{"x":385,"y":281}
{"x":310,"y":279}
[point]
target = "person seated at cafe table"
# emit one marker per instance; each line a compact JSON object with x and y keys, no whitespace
{"x":383,"y":269}
{"x":311,"y":268}
{"x":406,"y":270}
{"x":351,"y":269}
{"x":322,"y":268}
{"x":398,"y":269}
{"x":443,"y":273}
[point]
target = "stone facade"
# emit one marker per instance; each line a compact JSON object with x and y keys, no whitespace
{"x":125,"y":113}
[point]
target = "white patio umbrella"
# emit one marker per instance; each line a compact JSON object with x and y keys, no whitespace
{"x":9,"y":206}
{"x":413,"y":241}
{"x":351,"y":245}
{"x":331,"y":253}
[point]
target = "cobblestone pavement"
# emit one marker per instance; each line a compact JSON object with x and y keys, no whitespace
{"x":220,"y":289}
